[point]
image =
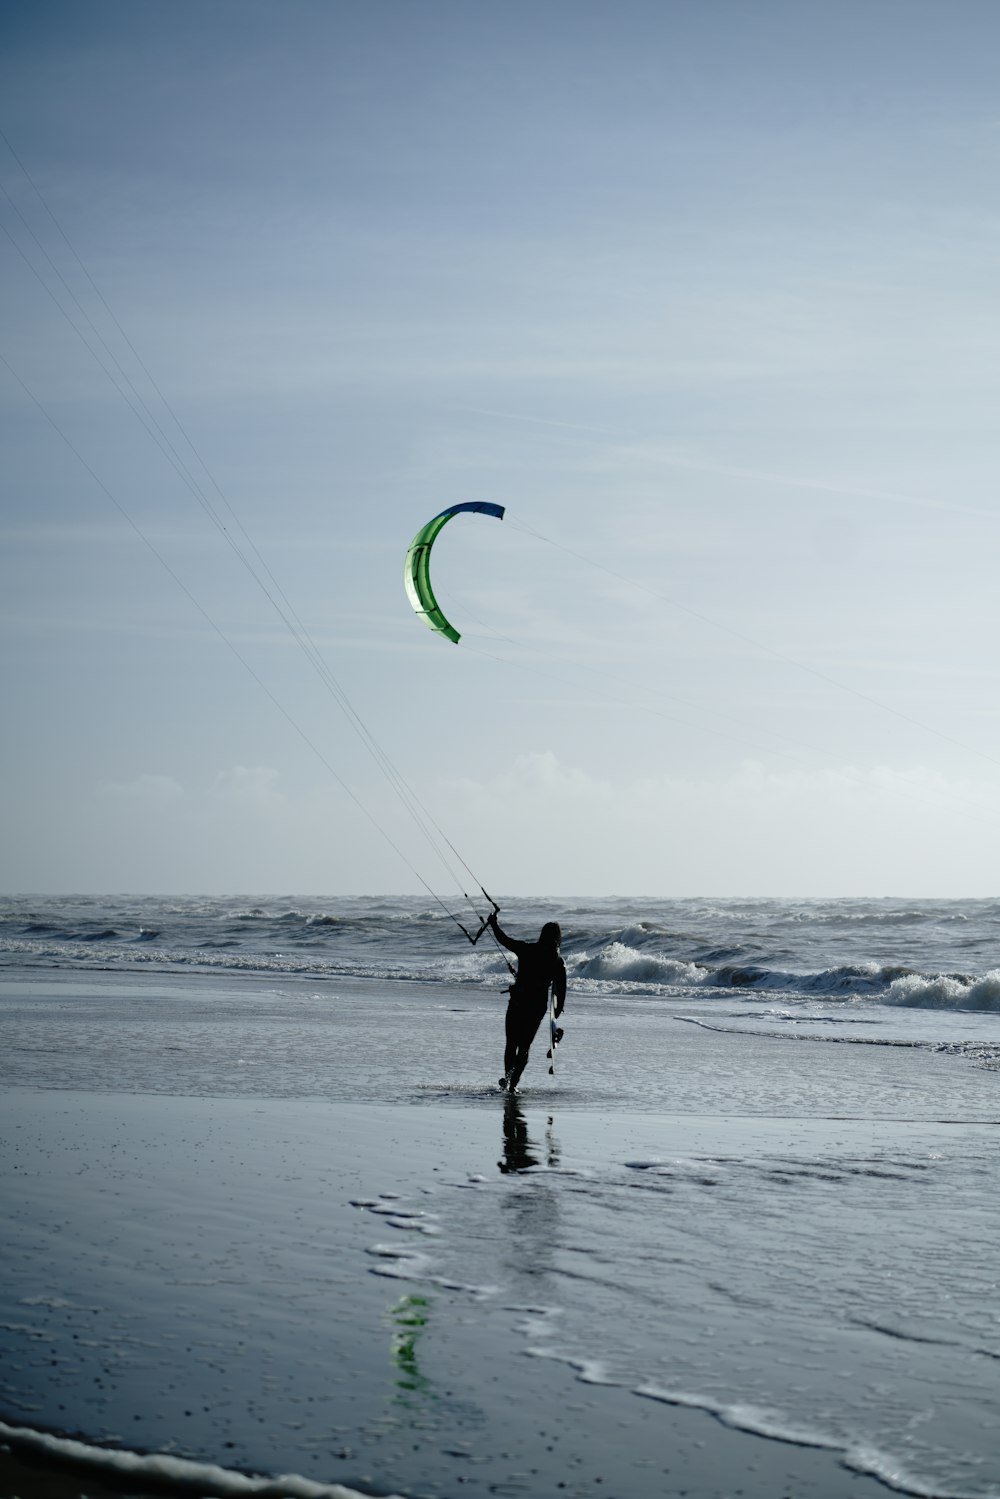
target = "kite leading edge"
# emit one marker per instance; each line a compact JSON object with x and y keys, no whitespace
{"x":416,"y":573}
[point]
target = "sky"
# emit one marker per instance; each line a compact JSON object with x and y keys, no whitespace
{"x":704,"y":294}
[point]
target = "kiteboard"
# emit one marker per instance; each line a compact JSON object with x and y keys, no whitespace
{"x":555,"y":1035}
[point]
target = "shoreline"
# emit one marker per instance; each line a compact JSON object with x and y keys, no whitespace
{"x":705,"y":1461}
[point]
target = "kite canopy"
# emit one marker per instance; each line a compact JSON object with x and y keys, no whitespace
{"x":416,"y":573}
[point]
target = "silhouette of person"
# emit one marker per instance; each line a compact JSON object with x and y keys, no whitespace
{"x":539,"y":967}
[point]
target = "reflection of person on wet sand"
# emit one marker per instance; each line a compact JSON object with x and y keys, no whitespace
{"x":517,"y":1147}
{"x":539,"y":966}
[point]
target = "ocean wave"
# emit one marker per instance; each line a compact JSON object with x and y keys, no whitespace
{"x":162,"y":1471}
{"x":794,"y":951}
{"x":946,"y":991}
{"x":621,"y":962}
{"x":619,"y":965}
{"x":616,"y":968}
{"x":229,"y":957}
{"x":641,"y":932}
{"x":860,"y":979}
{"x":879,"y":918}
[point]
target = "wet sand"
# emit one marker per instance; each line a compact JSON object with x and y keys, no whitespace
{"x":241,"y":1282}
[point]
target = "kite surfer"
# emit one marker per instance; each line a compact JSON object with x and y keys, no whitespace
{"x":539,"y":968}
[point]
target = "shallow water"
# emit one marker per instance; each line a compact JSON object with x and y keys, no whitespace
{"x":396,"y":1042}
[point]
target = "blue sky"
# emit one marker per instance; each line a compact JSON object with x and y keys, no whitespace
{"x":704,"y":294}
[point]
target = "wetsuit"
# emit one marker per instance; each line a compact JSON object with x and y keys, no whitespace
{"x":539,"y":965}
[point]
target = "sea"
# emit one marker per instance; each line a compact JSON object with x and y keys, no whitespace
{"x":839,"y":956}
{"x":762,"y":1182}
{"x":893,"y":972}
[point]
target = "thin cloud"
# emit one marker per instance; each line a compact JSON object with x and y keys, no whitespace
{"x":648,"y":451}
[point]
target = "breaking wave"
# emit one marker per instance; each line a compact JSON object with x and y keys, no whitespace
{"x":619,"y":962}
{"x":946,"y":991}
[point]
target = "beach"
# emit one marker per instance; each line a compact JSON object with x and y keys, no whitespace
{"x":273,"y":1286}
{"x":278,"y":1233}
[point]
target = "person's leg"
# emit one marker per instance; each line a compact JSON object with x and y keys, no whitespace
{"x":513,"y":1031}
{"x":528,"y":1023}
{"x":520,"y":1062}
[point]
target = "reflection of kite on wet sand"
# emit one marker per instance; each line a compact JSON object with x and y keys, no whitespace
{"x":409,"y":1317}
{"x":416,"y":574}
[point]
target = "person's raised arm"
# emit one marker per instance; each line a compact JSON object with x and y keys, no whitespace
{"x":511,"y":943}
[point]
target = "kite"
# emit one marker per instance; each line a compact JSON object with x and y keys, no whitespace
{"x":416,"y":573}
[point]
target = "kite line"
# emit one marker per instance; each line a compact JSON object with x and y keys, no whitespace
{"x":240,"y":543}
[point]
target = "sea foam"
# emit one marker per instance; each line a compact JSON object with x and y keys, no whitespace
{"x":179,"y":1475}
{"x":946,"y":992}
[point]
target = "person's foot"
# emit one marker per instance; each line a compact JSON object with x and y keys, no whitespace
{"x":502,"y":1084}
